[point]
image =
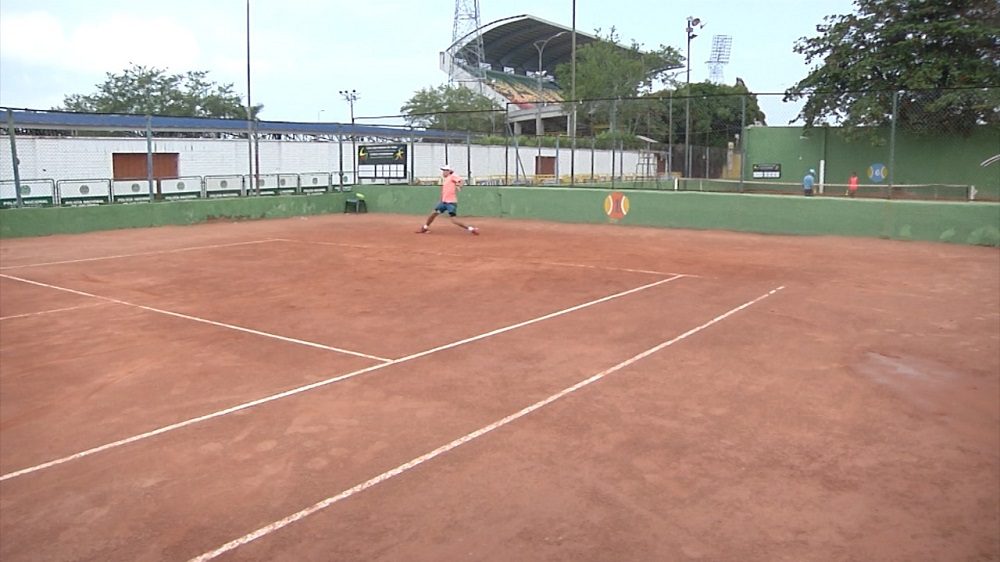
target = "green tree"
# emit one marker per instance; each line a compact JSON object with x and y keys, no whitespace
{"x":942,"y":56}
{"x":607,"y":69}
{"x":454,"y":108}
{"x":147,"y":90}
{"x":717,"y":113}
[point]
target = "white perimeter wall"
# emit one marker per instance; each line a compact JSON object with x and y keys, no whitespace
{"x":91,"y":158}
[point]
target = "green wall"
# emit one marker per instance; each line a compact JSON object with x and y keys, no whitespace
{"x":961,"y":223}
{"x":70,"y":220}
{"x":919,"y":159}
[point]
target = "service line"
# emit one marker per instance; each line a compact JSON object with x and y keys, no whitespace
{"x":54,"y":310}
{"x":284,"y":522}
{"x":197,"y":319}
{"x":318,"y":384}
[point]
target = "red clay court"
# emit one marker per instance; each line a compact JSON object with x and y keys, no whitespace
{"x":339,"y":388}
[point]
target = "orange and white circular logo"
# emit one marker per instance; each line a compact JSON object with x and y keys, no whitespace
{"x":616,"y":205}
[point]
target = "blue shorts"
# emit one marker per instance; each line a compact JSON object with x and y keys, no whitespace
{"x":450,"y":208}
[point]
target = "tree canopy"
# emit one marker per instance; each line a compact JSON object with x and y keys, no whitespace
{"x":149,"y":90}
{"x":940,"y":56}
{"x":608,"y":69}
{"x":717,"y":113}
{"x":452,"y":107}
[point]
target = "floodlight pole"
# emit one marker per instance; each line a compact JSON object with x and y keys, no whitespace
{"x":691,"y":23}
{"x":572,"y":153}
{"x":540,"y":46}
{"x":351,"y":96}
{"x":249,"y":108}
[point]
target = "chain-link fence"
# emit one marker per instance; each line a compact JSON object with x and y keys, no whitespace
{"x":924,"y":144}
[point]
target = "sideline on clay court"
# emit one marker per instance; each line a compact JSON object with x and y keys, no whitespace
{"x":338,"y":388}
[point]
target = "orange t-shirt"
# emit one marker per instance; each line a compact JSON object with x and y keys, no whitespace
{"x":450,"y":188}
{"x":852,"y":183}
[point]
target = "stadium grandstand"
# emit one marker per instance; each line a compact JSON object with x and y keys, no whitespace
{"x":511,"y":73}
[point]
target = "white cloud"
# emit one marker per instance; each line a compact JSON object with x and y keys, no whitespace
{"x":106,"y":45}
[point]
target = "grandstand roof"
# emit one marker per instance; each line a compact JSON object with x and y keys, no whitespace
{"x":509,"y":42}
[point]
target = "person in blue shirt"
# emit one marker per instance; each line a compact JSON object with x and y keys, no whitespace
{"x":808,"y":182}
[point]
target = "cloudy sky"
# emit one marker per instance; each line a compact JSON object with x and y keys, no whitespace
{"x":304,"y":51}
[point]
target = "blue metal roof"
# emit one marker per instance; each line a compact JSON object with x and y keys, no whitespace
{"x":62,"y":120}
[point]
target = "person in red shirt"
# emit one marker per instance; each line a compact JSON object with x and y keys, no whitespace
{"x":852,"y":185}
{"x":450,"y":187}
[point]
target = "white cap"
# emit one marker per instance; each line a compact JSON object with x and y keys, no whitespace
{"x":447,"y":168}
{"x":811,"y":171}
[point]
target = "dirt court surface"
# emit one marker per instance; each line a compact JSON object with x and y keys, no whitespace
{"x":340,"y":388}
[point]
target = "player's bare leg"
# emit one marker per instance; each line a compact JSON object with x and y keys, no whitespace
{"x":470,"y":228}
{"x":427,"y":223}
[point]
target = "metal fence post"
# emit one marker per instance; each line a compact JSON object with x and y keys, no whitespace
{"x":340,"y":150}
{"x":538,"y":155}
{"x":743,"y":140}
{"x":572,"y":152}
{"x":517,"y":160}
{"x":670,"y":133}
{"x":15,"y":163}
{"x":558,"y":180}
{"x":243,"y":188}
{"x":506,"y":143}
{"x":468,"y":156}
{"x":149,"y":157}
{"x":621,"y":160}
{"x":614,"y":114}
{"x":444,"y":120}
{"x":593,"y":151}
{"x":256,"y":157}
{"x":412,"y":157}
{"x":892,"y":140}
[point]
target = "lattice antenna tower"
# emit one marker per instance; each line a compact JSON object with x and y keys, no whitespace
{"x":722,"y":47}
{"x":470,"y":53}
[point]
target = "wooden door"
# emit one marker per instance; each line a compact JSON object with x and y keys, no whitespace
{"x":132,"y":165}
{"x":545,"y":165}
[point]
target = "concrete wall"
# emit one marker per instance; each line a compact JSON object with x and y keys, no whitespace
{"x":919,"y":159}
{"x":72,"y":220}
{"x":961,"y":223}
{"x":72,"y":158}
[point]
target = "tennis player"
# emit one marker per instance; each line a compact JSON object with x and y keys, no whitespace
{"x":450,"y":187}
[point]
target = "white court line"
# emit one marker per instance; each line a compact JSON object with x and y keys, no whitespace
{"x":197,"y":319}
{"x":284,"y":522}
{"x":156,"y":253}
{"x":325,"y":382}
{"x":452,"y":255}
{"x":41,"y":312}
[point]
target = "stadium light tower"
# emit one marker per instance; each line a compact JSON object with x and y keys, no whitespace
{"x":540,"y":46}
{"x":692,"y":22}
{"x":351,"y":96}
{"x":722,"y":47}
{"x":471,"y":54}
